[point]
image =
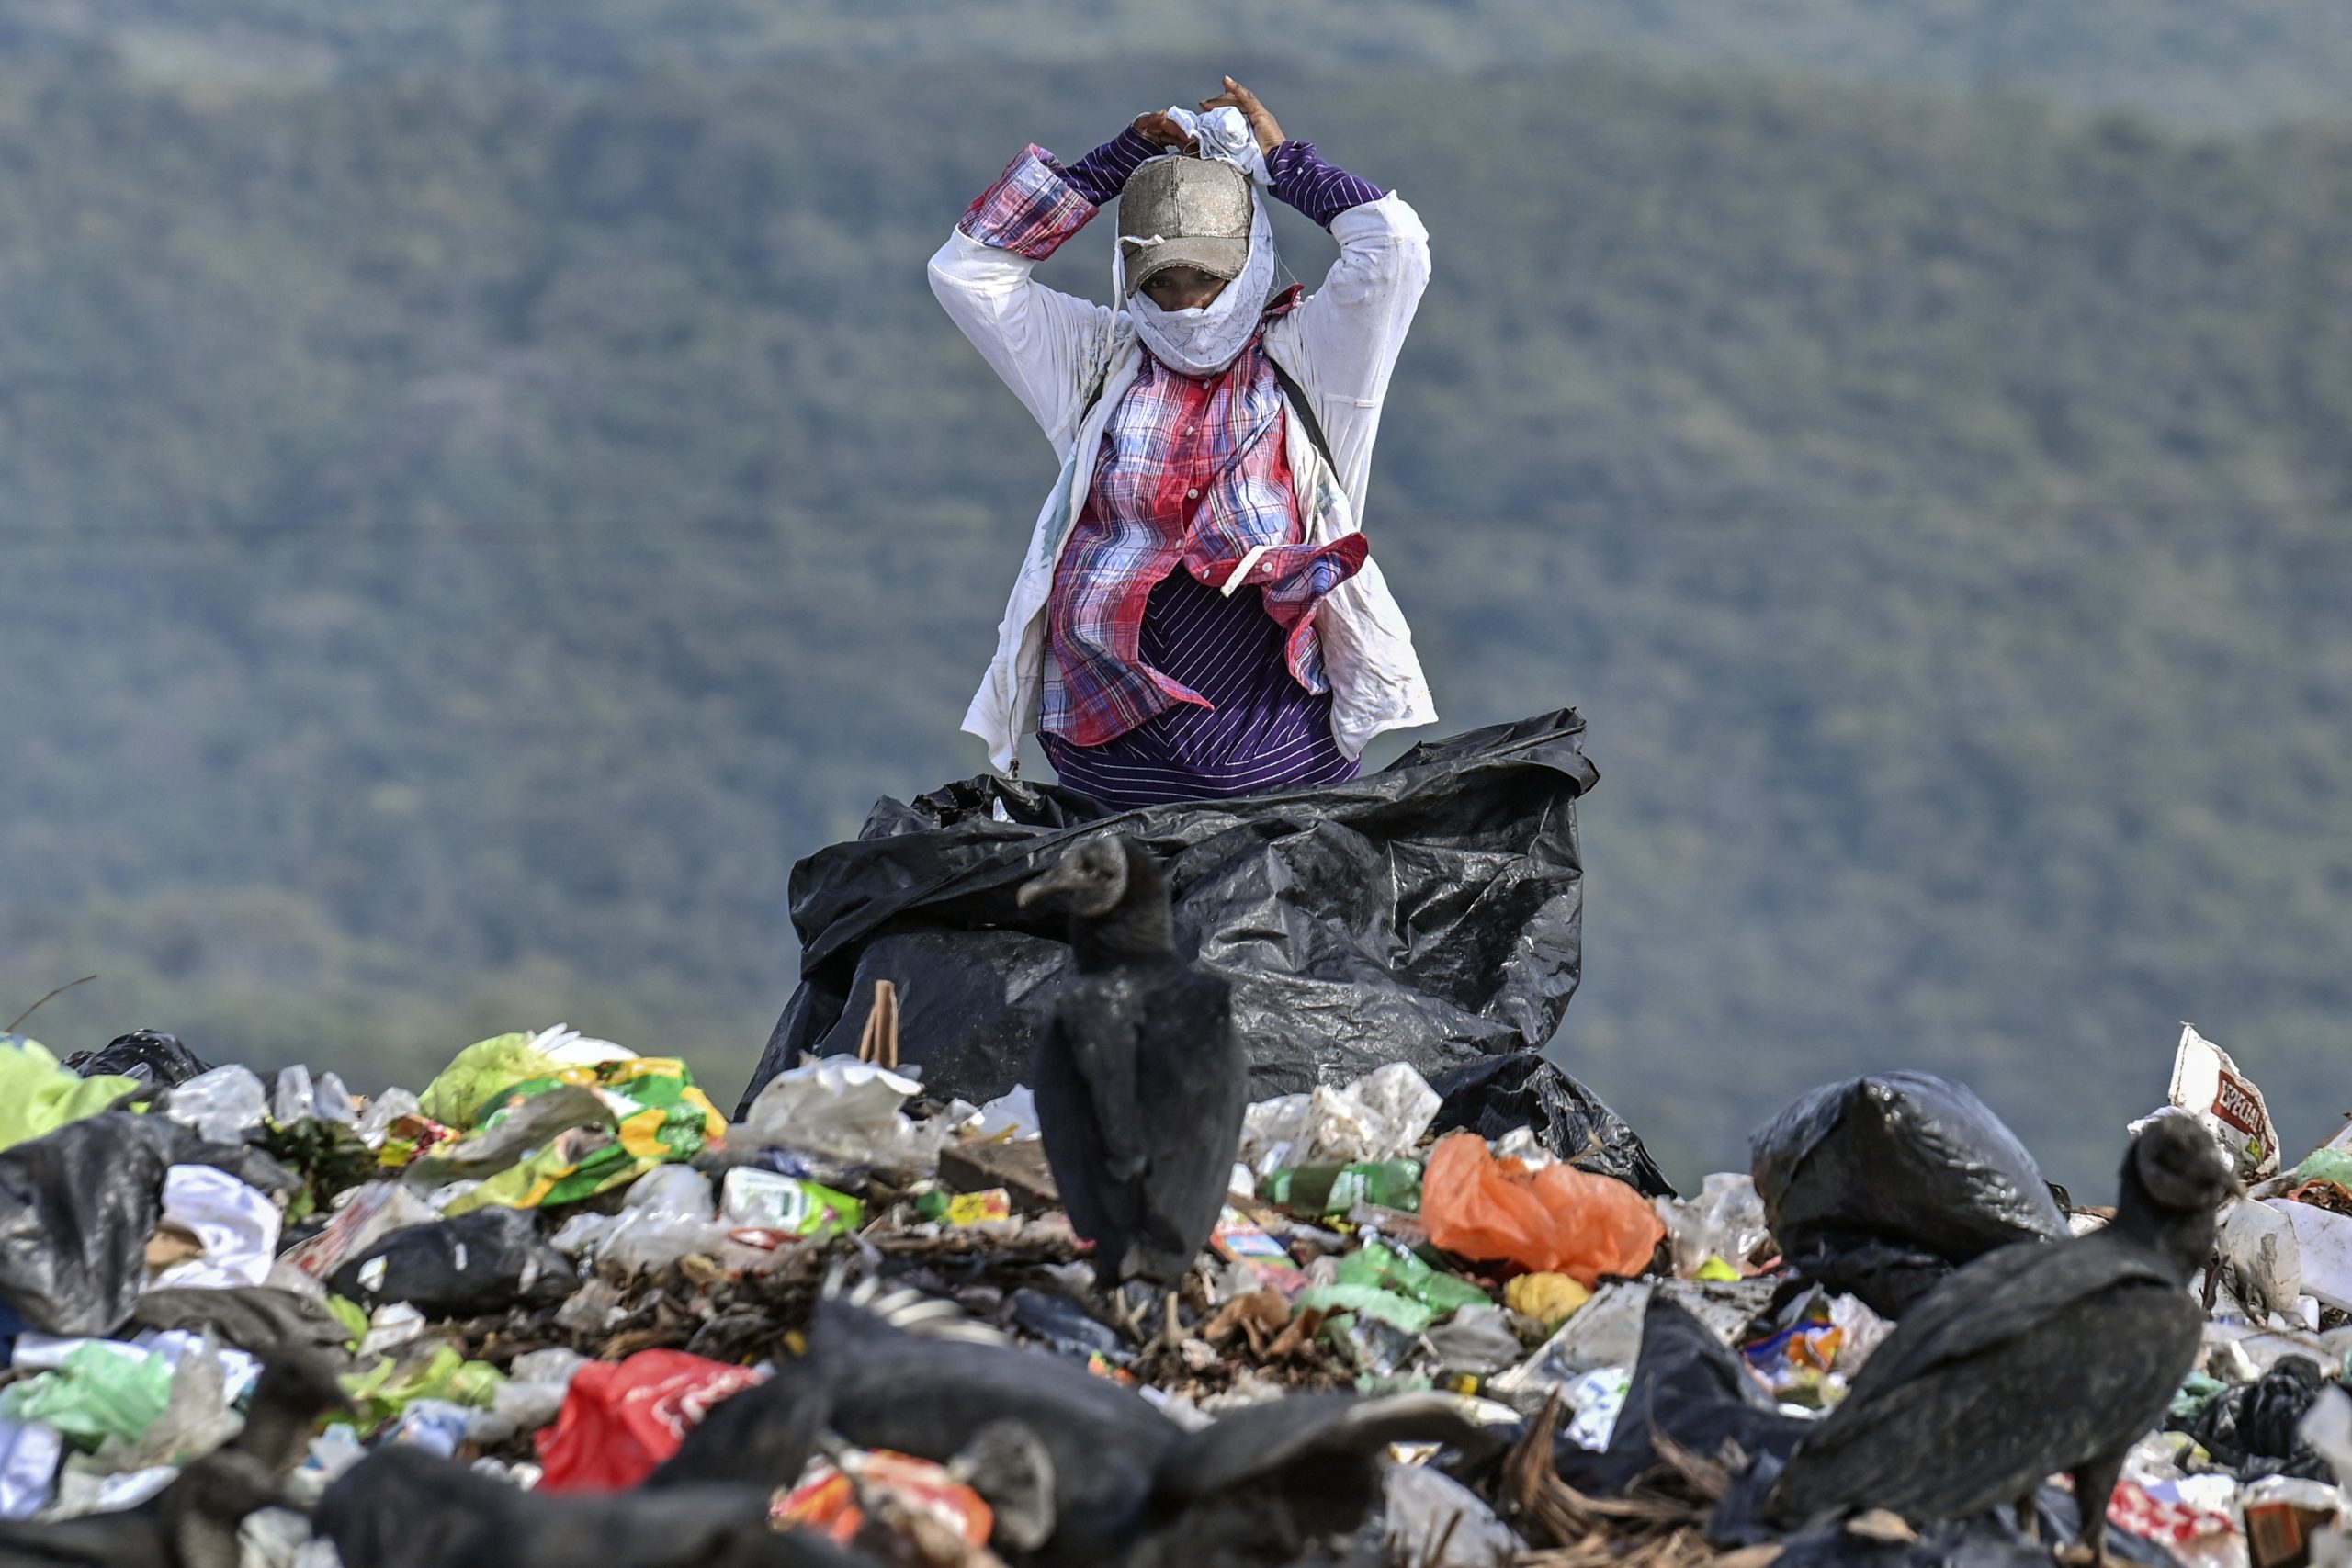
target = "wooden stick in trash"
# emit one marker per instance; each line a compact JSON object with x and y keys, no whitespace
{"x":879,"y":1043}
{"x":38,"y":1006}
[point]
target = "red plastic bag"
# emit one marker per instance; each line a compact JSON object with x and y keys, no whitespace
{"x":1558,"y":1219}
{"x":623,"y":1419}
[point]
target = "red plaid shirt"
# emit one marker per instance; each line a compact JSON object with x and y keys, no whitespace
{"x":1193,"y":476}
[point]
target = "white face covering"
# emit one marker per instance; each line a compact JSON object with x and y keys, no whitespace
{"x":1207,"y":338}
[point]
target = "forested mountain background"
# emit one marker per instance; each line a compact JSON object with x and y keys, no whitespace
{"x":484,"y":487}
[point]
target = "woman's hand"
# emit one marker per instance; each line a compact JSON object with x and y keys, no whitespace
{"x":1262,"y":120}
{"x":1158,"y":127}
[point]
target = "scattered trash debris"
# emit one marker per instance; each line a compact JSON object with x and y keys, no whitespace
{"x":544,"y":1281}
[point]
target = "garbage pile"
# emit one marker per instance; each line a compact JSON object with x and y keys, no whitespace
{"x":567,"y":1307}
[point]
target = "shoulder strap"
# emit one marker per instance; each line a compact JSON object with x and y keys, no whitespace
{"x":1100,"y":379}
{"x":1305,"y":414}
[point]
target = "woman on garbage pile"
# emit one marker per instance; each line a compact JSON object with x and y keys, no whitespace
{"x":1197,"y":616}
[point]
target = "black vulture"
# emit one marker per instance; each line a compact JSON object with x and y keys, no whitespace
{"x":899,"y":1371}
{"x":193,"y":1522}
{"x":403,"y":1507}
{"x":1103,"y":1477}
{"x":2035,"y":1358}
{"x":1140,"y":1081}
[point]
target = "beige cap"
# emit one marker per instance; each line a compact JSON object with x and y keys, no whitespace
{"x":1196,"y":209}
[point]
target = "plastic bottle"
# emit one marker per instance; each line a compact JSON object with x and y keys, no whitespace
{"x":1336,"y":1189}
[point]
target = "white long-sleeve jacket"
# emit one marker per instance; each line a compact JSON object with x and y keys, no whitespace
{"x":1069,"y":361}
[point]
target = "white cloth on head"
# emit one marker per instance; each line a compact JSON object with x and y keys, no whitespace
{"x":1205,"y":338}
{"x":1225,"y":133}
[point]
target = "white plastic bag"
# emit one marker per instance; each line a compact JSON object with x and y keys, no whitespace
{"x":679,"y":1191}
{"x":2323,"y":1249}
{"x":847,"y":1110}
{"x":30,"y":1452}
{"x":237,"y":1226}
{"x":2261,"y":1261}
{"x":1011,"y":1114}
{"x":2326,"y":1426}
{"x":566,"y":1045}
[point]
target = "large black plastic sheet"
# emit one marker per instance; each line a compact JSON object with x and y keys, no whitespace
{"x":1427,"y":913}
{"x":76,"y":1208}
{"x":1882,"y":1185}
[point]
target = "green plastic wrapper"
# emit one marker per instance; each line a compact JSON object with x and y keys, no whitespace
{"x":38,"y":1096}
{"x":478,"y":1073}
{"x":352,"y":1316}
{"x":2332,"y":1166}
{"x":2195,"y":1395}
{"x":659,"y":1116}
{"x":1384,"y":1267}
{"x":381,"y":1393}
{"x":1370,"y":1301}
{"x":95,"y":1394}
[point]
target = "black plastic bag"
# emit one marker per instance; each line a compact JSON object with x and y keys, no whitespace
{"x":474,"y":1264}
{"x":147,"y":1054}
{"x":1428,"y":913}
{"x":2252,"y":1430}
{"x":1499,"y":1094}
{"x":1690,"y":1387}
{"x":76,"y":1208}
{"x":1880,"y":1186}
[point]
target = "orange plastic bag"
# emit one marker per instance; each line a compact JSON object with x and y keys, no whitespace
{"x":1558,"y":1219}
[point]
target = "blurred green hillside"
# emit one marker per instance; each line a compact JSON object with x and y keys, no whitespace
{"x":469,"y":526}
{"x":2214,"y":63}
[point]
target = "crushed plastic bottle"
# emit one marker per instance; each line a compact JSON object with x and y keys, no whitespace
{"x":222,"y":1105}
{"x":1336,"y":1189}
{"x":1724,"y":1220}
{"x":1388,"y":1267}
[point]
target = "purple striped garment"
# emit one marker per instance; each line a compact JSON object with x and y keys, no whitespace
{"x":1263,"y":731}
{"x":1302,"y":178}
{"x":1193,"y":478}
